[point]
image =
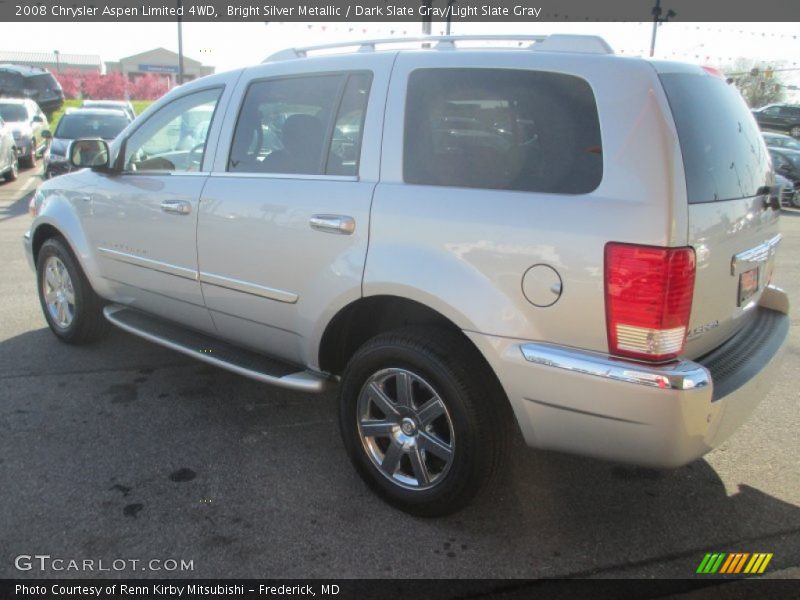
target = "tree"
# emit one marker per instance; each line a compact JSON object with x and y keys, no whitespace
{"x":70,"y":81}
{"x":759,"y":83}
{"x":149,"y":87}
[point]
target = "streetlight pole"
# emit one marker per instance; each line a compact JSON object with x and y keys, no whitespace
{"x":657,"y":20}
{"x":180,"y":45}
{"x":450,"y":13}
{"x":58,"y":61}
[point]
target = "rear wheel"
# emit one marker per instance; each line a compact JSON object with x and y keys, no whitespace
{"x":72,"y":309}
{"x":419,"y":421}
{"x":29,"y":160}
{"x":795,"y":131}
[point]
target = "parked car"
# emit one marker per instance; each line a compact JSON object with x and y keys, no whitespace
{"x":778,"y":140}
{"x":788,"y":191}
{"x":127,"y":107}
{"x":449,"y":284}
{"x":35,"y":83}
{"x":779,"y":117}
{"x":786,"y":163}
{"x":8,"y":153}
{"x":99,"y":123}
{"x":27,"y":122}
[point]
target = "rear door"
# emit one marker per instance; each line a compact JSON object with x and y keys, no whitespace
{"x":732,"y":227}
{"x":284,"y":217}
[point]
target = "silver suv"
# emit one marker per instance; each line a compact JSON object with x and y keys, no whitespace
{"x":458,"y":235}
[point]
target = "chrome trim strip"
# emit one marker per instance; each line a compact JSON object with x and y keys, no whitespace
{"x":248,"y":288}
{"x":301,"y":176}
{"x":750,"y":259}
{"x":148,"y":263}
{"x":681,"y":375}
{"x":306,"y":381}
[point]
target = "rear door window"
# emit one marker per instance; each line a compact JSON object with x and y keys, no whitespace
{"x":308,"y":125}
{"x":502,"y":129}
{"x":724,"y":156}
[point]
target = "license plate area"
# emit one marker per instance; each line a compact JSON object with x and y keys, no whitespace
{"x":748,"y":285}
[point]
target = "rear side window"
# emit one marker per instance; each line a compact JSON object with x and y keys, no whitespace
{"x":724,"y":156}
{"x":502,"y":129}
{"x":301,"y":125}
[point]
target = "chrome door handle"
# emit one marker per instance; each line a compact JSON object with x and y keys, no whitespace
{"x":176,"y":207}
{"x":341,"y":224}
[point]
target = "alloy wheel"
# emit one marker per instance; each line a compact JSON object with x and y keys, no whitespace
{"x":58,"y":292}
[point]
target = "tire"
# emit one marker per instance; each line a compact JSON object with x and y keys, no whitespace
{"x":29,"y":160}
{"x":72,"y":309}
{"x":795,"y":201}
{"x":795,"y":131}
{"x":13,"y":170}
{"x":468,"y":422}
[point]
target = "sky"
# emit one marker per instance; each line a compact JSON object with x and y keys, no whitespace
{"x":232,"y":45}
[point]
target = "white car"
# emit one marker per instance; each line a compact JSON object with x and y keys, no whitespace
{"x":27,"y":123}
{"x":458,"y":237}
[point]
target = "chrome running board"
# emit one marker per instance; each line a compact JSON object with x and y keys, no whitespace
{"x":215,"y":352}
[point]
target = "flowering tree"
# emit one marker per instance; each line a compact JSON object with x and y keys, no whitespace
{"x":70,"y":81}
{"x":113,"y":86}
{"x":148,"y":87}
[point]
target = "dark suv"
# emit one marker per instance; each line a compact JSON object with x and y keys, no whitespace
{"x":779,"y":117}
{"x":36,"y":83}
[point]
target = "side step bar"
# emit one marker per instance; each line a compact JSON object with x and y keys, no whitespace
{"x":213,"y":351}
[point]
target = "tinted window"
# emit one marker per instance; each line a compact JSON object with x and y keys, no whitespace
{"x":502,"y":129}
{"x":286,"y":125}
{"x":10,"y":81}
{"x":345,"y":147}
{"x":76,"y":125}
{"x":13,"y":112}
{"x":42,"y":83}
{"x":723,"y":153}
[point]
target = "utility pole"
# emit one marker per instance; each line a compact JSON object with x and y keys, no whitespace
{"x":657,"y":20}
{"x":450,"y":13}
{"x":426,"y":20}
{"x":180,"y":45}
{"x":58,"y":61}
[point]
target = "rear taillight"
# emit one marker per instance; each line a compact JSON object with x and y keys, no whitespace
{"x":648,"y":300}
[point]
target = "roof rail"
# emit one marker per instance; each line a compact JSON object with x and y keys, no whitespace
{"x":590,"y":44}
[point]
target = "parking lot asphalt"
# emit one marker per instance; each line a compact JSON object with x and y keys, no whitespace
{"x":125,"y":450}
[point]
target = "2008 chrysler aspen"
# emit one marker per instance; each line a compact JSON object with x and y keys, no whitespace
{"x":453,"y":231}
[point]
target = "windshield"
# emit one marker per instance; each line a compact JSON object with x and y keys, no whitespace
{"x":76,"y":125}
{"x":724,"y":155}
{"x":13,"y":112}
{"x":794,"y":158}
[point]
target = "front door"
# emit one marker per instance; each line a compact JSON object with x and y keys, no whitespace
{"x":142,"y":222}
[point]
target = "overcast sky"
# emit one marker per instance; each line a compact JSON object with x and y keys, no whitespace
{"x":231,"y":45}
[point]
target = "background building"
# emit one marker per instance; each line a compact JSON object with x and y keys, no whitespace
{"x":161,"y":62}
{"x":55,"y":62}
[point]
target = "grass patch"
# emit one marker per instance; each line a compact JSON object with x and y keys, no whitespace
{"x":138,"y":107}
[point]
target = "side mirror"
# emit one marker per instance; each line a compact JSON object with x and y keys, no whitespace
{"x":92,"y":153}
{"x":46,"y":134}
{"x":37,"y":119}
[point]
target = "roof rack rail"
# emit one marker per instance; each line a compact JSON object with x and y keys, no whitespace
{"x":590,"y":44}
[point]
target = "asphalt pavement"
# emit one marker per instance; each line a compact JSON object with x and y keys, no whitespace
{"x":127,"y":451}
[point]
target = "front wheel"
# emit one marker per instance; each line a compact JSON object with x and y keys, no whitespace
{"x":72,"y":309}
{"x":795,"y":131}
{"x":29,"y":160}
{"x":13,"y":170}
{"x":419,"y":420}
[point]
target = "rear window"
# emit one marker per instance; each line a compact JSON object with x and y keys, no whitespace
{"x":724,"y":156}
{"x":76,"y":126}
{"x":42,"y":83}
{"x":502,"y":129}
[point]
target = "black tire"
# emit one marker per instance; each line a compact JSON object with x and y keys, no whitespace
{"x":29,"y":160}
{"x":13,"y":170}
{"x":87,"y":323}
{"x":474,"y":408}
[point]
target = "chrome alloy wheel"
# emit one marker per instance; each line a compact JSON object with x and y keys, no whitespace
{"x":59,"y":295}
{"x":405,"y":429}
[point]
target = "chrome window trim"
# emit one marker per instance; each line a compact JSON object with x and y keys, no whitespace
{"x":681,"y":375}
{"x":301,"y":176}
